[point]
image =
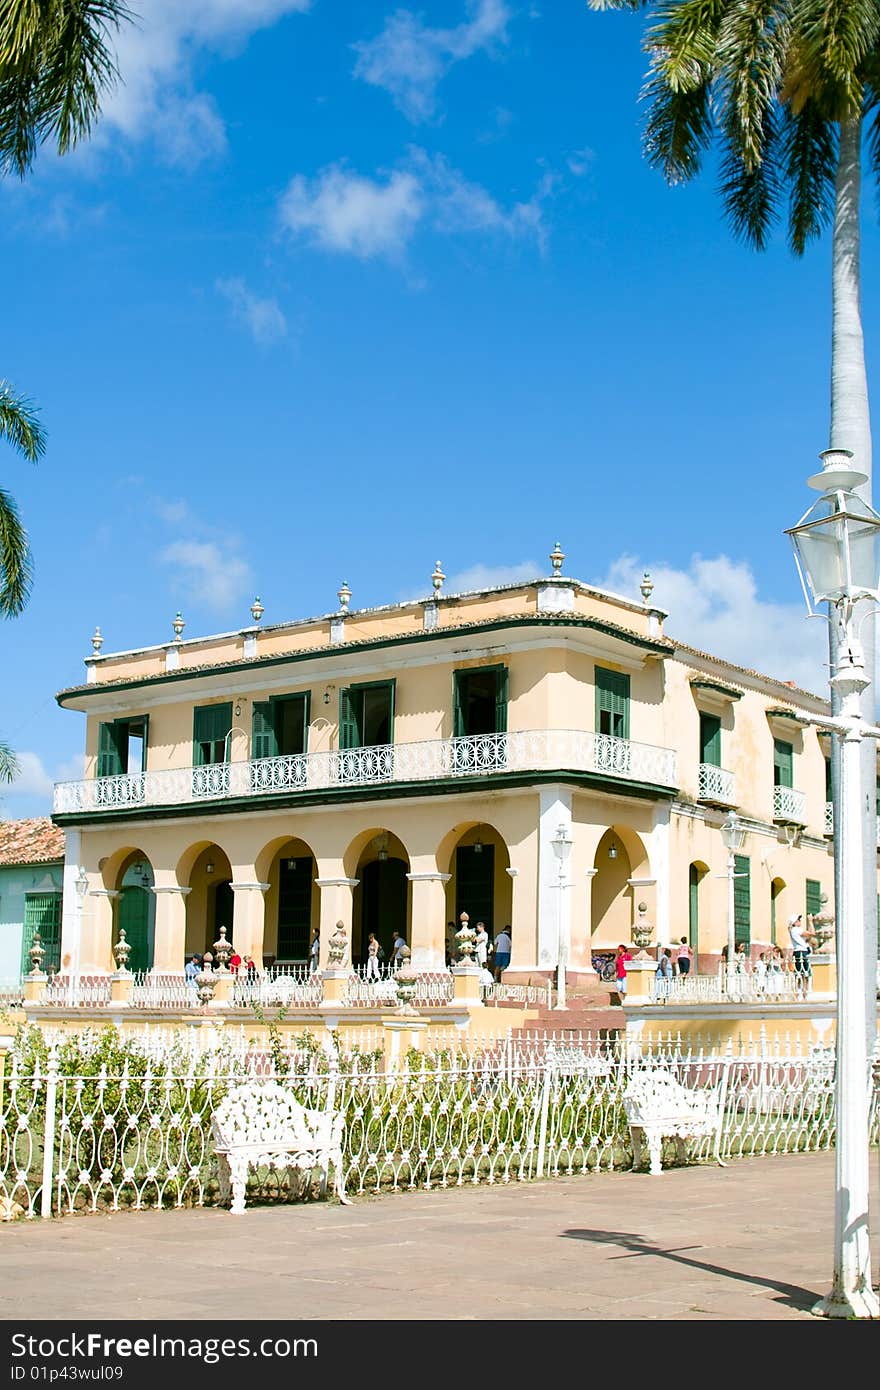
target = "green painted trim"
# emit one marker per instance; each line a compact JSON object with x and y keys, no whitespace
{"x":720,"y":689}
{"x":303,"y":800}
{"x":344,"y":651}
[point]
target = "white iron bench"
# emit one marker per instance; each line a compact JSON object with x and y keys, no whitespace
{"x":659,"y":1107}
{"x":263,"y":1125}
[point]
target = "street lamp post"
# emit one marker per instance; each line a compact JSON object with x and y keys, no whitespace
{"x":733,"y":836}
{"x":81,"y":883}
{"x":838,"y":558}
{"x":561,"y":848}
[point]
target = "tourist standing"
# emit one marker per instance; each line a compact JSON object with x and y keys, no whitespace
{"x":800,"y":947}
{"x":372,"y":971}
{"x":503,"y":947}
{"x":314,"y":952}
{"x":620,"y":960}
{"x":683,"y":957}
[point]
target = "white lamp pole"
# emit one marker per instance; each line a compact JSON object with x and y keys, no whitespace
{"x":733,"y":836}
{"x":81,"y":882}
{"x":838,"y":558}
{"x":561,"y":848}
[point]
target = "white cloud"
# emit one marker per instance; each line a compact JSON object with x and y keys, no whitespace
{"x":208,"y":572}
{"x":262,"y":317}
{"x":714,"y":605}
{"x":156,"y":95}
{"x":580,"y":162}
{"x":32,"y":779}
{"x":409,"y":59}
{"x":343,"y":211}
{"x":491,"y":576}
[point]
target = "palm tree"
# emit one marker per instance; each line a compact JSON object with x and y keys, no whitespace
{"x":785,"y":88}
{"x":20,"y":426}
{"x":56,"y":64}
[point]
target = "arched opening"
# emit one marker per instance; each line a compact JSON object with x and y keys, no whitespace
{"x":382,"y":900}
{"x":620,"y":856}
{"x":477,"y":860}
{"x":205,"y":869}
{"x":696,"y":874}
{"x":777,"y":908}
{"x":136,"y":910}
{"x":292,"y":901}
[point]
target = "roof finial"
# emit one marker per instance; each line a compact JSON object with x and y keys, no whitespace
{"x":257,"y":609}
{"x":344,"y":596}
{"x":178,"y":625}
{"x":646,"y":588}
{"x":97,"y":641}
{"x":437,"y":579}
{"x":556,"y":558}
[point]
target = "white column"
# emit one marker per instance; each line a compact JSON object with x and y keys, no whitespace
{"x":336,"y":905}
{"x":71,"y":905}
{"x":169,"y":940}
{"x":428,"y":944}
{"x":658,"y":842}
{"x":249,"y":920}
{"x":554,"y":811}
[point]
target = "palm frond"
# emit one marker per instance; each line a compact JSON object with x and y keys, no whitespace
{"x":832,"y":40}
{"x":678,"y":130}
{"x":682,"y":41}
{"x":56,"y":65}
{"x":751,"y":49}
{"x":20,"y":423}
{"x":16,"y":570}
{"x":808,"y":153}
{"x":751,"y":194}
{"x":9,"y":766}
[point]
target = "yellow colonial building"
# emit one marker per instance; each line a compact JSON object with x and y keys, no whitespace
{"x":542,"y":754}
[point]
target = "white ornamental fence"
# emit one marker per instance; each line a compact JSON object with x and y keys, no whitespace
{"x":774,"y":986}
{"x":524,"y":750}
{"x":84,"y":1133}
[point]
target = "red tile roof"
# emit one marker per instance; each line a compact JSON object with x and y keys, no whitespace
{"x":35,"y":841}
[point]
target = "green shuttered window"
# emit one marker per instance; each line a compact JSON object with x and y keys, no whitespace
{"x":366,"y":714}
{"x":211,"y":724}
{"x":710,"y":740}
{"x":814,"y":897}
{"x":42,"y":913}
{"x":612,"y":703}
{"x":742,"y":900}
{"x":479,"y":701}
{"x":783,"y":758}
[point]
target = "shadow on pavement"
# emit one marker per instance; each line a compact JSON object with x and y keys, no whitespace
{"x":635,"y":1245}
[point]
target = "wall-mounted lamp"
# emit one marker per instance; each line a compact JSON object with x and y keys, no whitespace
{"x":238,"y":709}
{"x":612,"y":850}
{"x":327,"y":690}
{"x":478,"y":845}
{"x":209,"y":867}
{"x":792,"y":835}
{"x":382,"y":847}
{"x":82,"y":883}
{"x":290,"y":865}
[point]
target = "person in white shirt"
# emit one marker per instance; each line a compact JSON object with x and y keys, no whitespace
{"x":481,"y":945}
{"x":800,"y":947}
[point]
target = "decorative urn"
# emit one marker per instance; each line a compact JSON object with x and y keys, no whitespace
{"x":406,"y":982}
{"x":36,"y":953}
{"x":642,"y":931}
{"x":122,"y":951}
{"x":337,"y":947}
{"x":465,"y":937}
{"x":206,"y":980}
{"x":222,"y":949}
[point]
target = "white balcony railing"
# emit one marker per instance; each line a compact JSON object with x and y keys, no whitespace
{"x":717,"y":785}
{"x":534,"y":750}
{"x":789,"y":805}
{"x":829,"y":818}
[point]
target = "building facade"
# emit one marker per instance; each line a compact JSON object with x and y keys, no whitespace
{"x":541,"y":755}
{"x":31,"y":865}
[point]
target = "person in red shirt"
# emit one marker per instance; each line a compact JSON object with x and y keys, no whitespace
{"x":623,"y":955}
{"x":235,"y":962}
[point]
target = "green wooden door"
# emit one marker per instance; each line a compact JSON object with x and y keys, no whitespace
{"x":783,"y":760}
{"x":742,"y":900}
{"x":612,"y":703}
{"x":710,"y":740}
{"x":264,"y":743}
{"x":42,"y":913}
{"x":694,"y":908}
{"x":475,"y":884}
{"x":211,"y":725}
{"x":295,"y":908}
{"x":110,"y":755}
{"x":134,"y":917}
{"x":814,"y":898}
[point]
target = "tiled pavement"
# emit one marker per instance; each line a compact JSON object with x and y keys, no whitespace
{"x":750,"y":1241}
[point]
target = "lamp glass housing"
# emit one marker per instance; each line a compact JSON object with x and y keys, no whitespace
{"x":837,"y":549}
{"x":733,"y":833}
{"x":561,"y":844}
{"x":612,"y":850}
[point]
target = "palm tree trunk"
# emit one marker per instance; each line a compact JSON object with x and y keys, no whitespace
{"x":851,"y":429}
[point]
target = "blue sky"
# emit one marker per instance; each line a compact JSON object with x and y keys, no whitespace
{"x":339,"y":289}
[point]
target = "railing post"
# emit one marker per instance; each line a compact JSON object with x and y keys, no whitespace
{"x":49,"y":1125}
{"x":542,"y":1122}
